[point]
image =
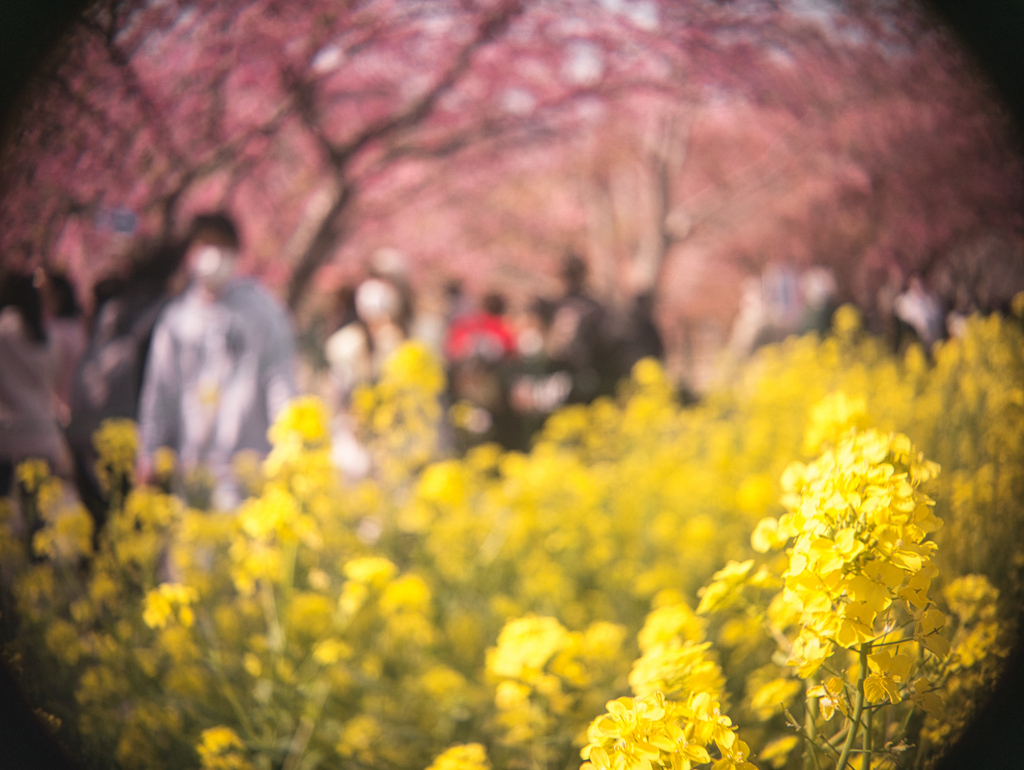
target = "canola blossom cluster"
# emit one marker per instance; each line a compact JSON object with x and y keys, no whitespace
{"x":856,"y":581}
{"x":816,"y":566}
{"x":859,"y":523}
{"x":652,"y":732}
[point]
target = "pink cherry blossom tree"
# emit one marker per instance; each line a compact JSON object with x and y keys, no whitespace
{"x":681,"y":145}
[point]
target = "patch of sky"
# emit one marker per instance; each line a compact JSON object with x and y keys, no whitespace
{"x":518,"y":101}
{"x":642,"y":14}
{"x":583,"y":63}
{"x":779,"y":56}
{"x":327,"y":59}
{"x":821,"y":12}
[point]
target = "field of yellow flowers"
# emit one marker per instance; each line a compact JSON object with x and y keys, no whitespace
{"x":815,"y":567}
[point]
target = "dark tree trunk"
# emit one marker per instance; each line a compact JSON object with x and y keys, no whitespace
{"x":327,"y":237}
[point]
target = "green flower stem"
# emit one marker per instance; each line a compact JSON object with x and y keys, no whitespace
{"x":865,"y":760}
{"x":304,"y":731}
{"x":538,"y":756}
{"x":814,"y":745}
{"x":213,"y":660}
{"x":812,"y":710}
{"x":290,"y":553}
{"x":810,"y":728}
{"x":276,"y":633}
{"x":858,"y":708}
{"x":831,"y":742}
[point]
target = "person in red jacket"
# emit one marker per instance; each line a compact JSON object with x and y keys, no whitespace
{"x":484,"y":334}
{"x":477,"y":349}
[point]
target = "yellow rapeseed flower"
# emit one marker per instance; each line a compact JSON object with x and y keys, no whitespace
{"x":304,"y":420}
{"x":469,"y":756}
{"x":116,"y":444}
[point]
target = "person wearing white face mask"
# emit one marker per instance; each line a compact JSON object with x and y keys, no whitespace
{"x":220,"y":366}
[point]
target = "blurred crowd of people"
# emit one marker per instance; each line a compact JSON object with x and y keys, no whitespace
{"x":40,"y":343}
{"x":508,"y":368}
{"x":199,"y":356}
{"x":203,"y":358}
{"x":784,"y":300}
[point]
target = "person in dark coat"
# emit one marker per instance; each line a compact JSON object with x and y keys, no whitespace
{"x":28,"y":377}
{"x":641,"y":338}
{"x":108,"y":381}
{"x":578,"y":337}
